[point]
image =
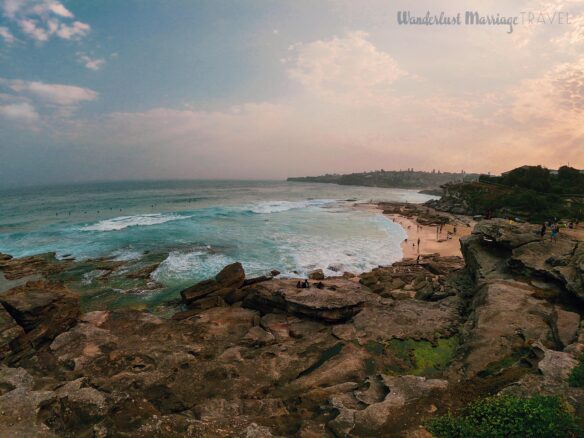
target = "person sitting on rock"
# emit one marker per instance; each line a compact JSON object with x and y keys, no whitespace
{"x":306,"y":284}
{"x":299,"y":285}
{"x":320,"y":285}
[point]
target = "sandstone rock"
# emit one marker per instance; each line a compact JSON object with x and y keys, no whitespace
{"x":556,"y":365}
{"x":43,"y":310}
{"x":401,"y":394}
{"x":257,"y":336}
{"x":230,"y":278}
{"x":255,"y":431}
{"x":317,"y":274}
{"x":408,"y":319}
{"x":507,"y":235}
{"x":276,"y":324}
{"x":506,"y":319}
{"x":482,"y":258}
{"x":200,"y":290}
{"x":345,"y":366}
{"x":326,"y":304}
{"x":250,"y":281}
{"x":567,"y":324}
{"x":19,"y":404}
{"x":37,"y":303}
{"x":13,"y":378}
{"x":75,"y":407}
{"x":10,"y":331}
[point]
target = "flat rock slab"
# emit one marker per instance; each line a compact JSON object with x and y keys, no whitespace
{"x":407,"y":319}
{"x":507,"y":235}
{"x":506,"y":320}
{"x":337,"y":301}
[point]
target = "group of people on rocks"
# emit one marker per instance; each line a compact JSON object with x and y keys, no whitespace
{"x":554,"y":227}
{"x":306,"y":285}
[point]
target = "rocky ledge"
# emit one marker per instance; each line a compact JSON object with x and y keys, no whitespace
{"x":373,"y":355}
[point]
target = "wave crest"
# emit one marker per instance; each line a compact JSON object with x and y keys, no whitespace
{"x":280,"y":206}
{"x":141,"y":220}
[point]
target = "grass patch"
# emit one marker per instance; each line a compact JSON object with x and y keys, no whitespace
{"x":422,"y":357}
{"x":576,"y":377}
{"x":510,"y":417}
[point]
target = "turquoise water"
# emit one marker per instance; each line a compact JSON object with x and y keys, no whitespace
{"x":200,"y":226}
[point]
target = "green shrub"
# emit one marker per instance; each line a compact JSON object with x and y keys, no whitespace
{"x":508,"y":416}
{"x":576,"y":377}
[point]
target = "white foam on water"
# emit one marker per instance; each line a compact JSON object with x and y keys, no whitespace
{"x":347,"y":254}
{"x":125,"y":255}
{"x":122,"y":222}
{"x":186,"y":265}
{"x":281,"y":206}
{"x":89,"y":277}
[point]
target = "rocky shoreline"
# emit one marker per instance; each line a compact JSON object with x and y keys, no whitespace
{"x":373,"y":355}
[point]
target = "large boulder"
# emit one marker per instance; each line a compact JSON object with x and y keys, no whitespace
{"x":225,"y":283}
{"x":43,"y":310}
{"x":338,"y":301}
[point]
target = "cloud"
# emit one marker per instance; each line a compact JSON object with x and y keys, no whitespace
{"x":19,"y":112}
{"x":90,"y":63}
{"x":344,"y":67}
{"x":354,"y":107}
{"x":56,"y":94}
{"x":7,"y":35}
{"x":42,"y":19}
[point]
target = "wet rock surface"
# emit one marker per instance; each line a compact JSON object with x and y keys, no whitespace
{"x":372,"y":355}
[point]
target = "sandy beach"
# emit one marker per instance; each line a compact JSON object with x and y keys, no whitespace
{"x":431,"y":240}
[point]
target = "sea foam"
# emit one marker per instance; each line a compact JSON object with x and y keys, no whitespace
{"x":281,"y":206}
{"x":121,"y":222}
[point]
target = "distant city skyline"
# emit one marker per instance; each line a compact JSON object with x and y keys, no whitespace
{"x":123,"y":90}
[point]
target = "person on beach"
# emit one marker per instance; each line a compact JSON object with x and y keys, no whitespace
{"x":320,"y":285}
{"x":306,"y":284}
{"x":299,"y":285}
{"x":542,"y":231}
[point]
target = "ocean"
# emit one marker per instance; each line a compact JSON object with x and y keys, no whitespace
{"x":195,"y":228}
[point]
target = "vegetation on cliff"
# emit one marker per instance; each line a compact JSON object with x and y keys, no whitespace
{"x":566,"y":181}
{"x":408,"y":179}
{"x":508,"y":416}
{"x":576,"y":378}
{"x":530,"y":192}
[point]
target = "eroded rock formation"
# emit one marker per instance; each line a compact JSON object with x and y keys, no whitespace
{"x":373,"y":355}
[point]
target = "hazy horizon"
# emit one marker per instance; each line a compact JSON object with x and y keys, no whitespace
{"x":265,"y":90}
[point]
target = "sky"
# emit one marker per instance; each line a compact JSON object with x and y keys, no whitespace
{"x":266,"y":89}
